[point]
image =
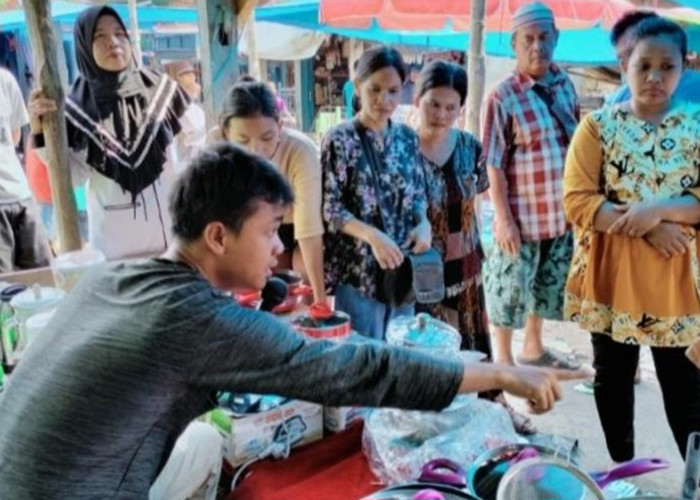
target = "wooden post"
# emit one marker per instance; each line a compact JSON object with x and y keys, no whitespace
{"x":298,"y":100}
{"x":135,"y":32}
{"x":476,"y":66}
{"x":218,"y":38}
{"x":251,"y":44}
{"x":44,"y":47}
{"x":357,"y":47}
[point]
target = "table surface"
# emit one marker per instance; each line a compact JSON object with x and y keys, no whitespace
{"x":331,"y":469}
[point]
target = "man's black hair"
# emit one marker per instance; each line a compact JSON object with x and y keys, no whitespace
{"x":224,"y":183}
{"x":628,"y":21}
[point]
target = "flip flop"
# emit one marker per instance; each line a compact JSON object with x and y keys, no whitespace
{"x":550,"y":359}
{"x":585,"y":387}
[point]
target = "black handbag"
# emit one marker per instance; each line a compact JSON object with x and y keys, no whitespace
{"x":420,"y":277}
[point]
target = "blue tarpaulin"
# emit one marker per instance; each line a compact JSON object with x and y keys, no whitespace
{"x":588,"y":47}
{"x":694,"y":4}
{"x":67,"y":12}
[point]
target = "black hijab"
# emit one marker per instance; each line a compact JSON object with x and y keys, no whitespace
{"x":126,"y":120}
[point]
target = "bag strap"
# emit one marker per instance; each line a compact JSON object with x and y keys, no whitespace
{"x":554,"y":110}
{"x":373,"y":162}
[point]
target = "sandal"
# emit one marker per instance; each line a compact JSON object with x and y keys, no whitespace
{"x":551,"y":359}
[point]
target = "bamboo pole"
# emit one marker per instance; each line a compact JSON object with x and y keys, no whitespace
{"x":44,"y":48}
{"x":476,"y":66}
{"x":135,"y":32}
{"x":254,"y":66}
{"x":218,"y":38}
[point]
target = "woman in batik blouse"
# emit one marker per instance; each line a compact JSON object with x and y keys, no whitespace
{"x":360,"y":241}
{"x":631,"y":192}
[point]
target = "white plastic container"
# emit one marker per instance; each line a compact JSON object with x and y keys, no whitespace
{"x":25,"y":305}
{"x":67,"y":268}
{"x":35,"y":324}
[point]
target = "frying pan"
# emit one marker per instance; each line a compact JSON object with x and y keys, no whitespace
{"x":488,"y":469}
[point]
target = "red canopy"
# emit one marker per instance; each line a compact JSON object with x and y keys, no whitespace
{"x":435,"y":14}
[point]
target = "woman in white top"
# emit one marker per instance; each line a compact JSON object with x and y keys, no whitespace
{"x":121,"y":123}
{"x":250,"y":119}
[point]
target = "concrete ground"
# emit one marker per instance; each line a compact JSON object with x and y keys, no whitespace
{"x":576,"y":415}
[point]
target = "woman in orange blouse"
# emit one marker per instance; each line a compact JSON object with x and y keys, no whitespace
{"x":631,"y":192}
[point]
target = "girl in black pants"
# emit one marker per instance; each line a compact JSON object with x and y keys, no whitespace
{"x":631,"y":192}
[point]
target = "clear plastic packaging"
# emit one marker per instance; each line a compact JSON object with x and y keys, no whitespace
{"x":398,"y":443}
{"x":424,"y":332}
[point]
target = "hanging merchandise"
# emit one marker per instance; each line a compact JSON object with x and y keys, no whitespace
{"x":330,"y":73}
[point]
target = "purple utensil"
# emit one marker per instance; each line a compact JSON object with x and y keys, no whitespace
{"x":536,"y":473}
{"x":443,"y":471}
{"x":524,"y":454}
{"x":629,"y":469}
{"x":428,"y":494}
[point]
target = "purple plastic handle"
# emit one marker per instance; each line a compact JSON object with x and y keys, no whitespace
{"x":428,"y":494}
{"x":525,"y":454}
{"x":628,"y":469}
{"x":443,"y":471}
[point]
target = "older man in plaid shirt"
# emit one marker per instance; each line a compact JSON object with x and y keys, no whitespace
{"x":530,"y":118}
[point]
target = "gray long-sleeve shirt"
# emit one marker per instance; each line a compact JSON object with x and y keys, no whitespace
{"x":138,"y":350}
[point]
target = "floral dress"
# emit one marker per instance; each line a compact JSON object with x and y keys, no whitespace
{"x":349,"y":193}
{"x":622,"y":286}
{"x":452,"y":189}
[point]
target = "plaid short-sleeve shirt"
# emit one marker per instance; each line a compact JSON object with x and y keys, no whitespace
{"x":524,"y":139}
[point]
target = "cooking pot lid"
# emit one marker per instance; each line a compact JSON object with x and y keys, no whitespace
{"x":37,"y":298}
{"x":423,"y":331}
{"x":78,"y":259}
{"x":545,"y":479}
{"x":10,"y":290}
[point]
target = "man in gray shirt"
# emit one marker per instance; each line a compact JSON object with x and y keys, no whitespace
{"x":138,"y":349}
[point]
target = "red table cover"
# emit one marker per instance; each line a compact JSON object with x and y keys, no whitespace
{"x":331,"y":469}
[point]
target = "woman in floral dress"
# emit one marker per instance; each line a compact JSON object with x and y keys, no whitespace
{"x":360,"y":241}
{"x":455,"y":174}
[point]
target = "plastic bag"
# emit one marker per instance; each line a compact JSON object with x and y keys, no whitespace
{"x":398,"y":443}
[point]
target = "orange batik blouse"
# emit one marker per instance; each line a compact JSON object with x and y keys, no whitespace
{"x":618,"y":285}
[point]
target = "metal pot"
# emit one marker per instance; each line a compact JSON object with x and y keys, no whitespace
{"x":291,"y":278}
{"x":335,"y":325}
{"x":487,"y":471}
{"x":410,"y":491}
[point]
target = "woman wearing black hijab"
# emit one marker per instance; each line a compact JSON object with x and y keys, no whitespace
{"x":121,"y":123}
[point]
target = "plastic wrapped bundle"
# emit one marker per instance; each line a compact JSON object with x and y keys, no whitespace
{"x":398,"y":443}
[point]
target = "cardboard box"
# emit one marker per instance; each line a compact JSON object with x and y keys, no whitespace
{"x":339,"y":418}
{"x":247,"y":436}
